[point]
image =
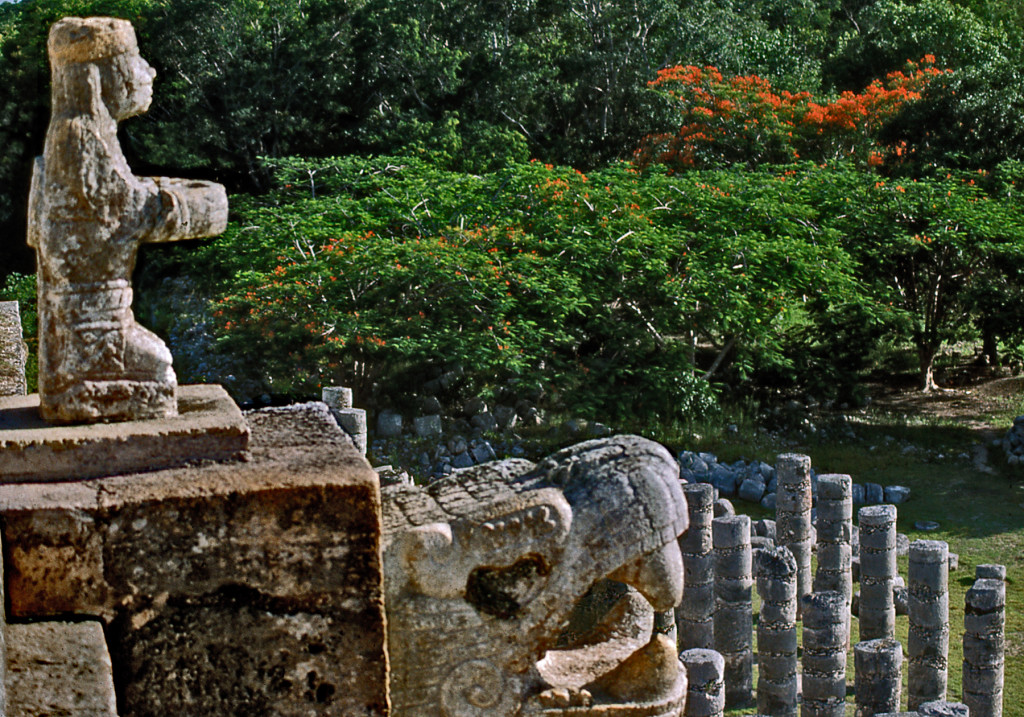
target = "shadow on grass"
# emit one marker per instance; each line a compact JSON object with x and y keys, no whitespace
{"x":937,"y":463}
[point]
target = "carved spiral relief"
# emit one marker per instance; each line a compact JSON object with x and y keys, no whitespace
{"x":478,"y":688}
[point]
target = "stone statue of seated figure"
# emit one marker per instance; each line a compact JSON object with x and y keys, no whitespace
{"x":87,"y":216}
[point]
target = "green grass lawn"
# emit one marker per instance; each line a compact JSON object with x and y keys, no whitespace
{"x":981,"y":517}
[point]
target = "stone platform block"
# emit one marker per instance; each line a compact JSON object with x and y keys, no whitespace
{"x":209,"y":426}
{"x":250,"y":587}
{"x":59,"y":668}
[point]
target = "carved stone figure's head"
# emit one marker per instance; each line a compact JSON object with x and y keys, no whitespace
{"x":100,"y":53}
{"x":490,"y":575}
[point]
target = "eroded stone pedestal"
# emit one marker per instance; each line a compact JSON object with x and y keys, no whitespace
{"x":208,"y":426}
{"x":227,"y":588}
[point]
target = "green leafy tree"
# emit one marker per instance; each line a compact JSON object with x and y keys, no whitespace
{"x":888,"y":33}
{"x":246,"y":79}
{"x":601,"y":286}
{"x":968,"y":120}
{"x":930,"y":245}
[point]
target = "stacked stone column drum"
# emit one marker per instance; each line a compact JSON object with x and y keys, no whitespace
{"x":705,"y":670}
{"x":793,"y":515}
{"x":984,"y":627}
{"x":877,"y":665}
{"x":733,"y":618}
{"x":835,"y":531}
{"x":776,"y":633}
{"x":877,"y":610}
{"x":12,"y":351}
{"x":695,"y":615}
{"x":826,"y":618}
{"x":928,"y":610}
{"x":665,"y":624}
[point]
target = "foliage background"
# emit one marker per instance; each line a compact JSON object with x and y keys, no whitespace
{"x":831,"y":187}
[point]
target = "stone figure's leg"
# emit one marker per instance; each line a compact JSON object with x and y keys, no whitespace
{"x":108,"y":367}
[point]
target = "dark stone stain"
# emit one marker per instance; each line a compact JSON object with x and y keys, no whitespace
{"x":502,"y":592}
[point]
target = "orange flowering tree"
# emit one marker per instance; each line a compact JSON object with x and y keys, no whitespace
{"x":374,"y":272}
{"x":743,"y":119}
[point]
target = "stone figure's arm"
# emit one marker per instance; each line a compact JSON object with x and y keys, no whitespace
{"x":186,"y":209}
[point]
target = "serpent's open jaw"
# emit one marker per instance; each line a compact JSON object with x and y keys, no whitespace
{"x":485,"y":569}
{"x":617,"y":666}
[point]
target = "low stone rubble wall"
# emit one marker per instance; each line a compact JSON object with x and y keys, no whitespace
{"x":757,"y":482}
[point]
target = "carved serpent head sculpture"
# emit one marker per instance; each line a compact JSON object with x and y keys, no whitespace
{"x":484,"y":569}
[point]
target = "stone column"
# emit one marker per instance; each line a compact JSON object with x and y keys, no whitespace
{"x":776,"y":633}
{"x":835,"y":532}
{"x":793,"y":515}
{"x":665,"y":624}
{"x":352,"y":420}
{"x":877,"y":666}
{"x":877,"y":611}
{"x":733,"y":618}
{"x":695,"y":614}
{"x":826,"y":617}
{"x":12,"y":351}
{"x":835,"y":535}
{"x":984,"y":625}
{"x":928,"y":608}
{"x":705,"y":669}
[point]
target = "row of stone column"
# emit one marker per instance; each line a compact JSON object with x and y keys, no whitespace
{"x":716,"y":609}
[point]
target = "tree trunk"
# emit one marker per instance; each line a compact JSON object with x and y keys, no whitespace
{"x":926,"y":360}
{"x":989,"y":343}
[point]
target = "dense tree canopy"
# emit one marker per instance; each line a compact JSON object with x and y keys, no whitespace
{"x":806,"y":181}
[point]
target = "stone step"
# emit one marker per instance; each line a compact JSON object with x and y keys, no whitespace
{"x":59,"y":668}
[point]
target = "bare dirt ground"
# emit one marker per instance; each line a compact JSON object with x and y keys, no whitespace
{"x":977,"y":403}
{"x":980,"y":404}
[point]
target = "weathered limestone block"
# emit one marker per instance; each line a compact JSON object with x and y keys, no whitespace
{"x":825,"y":639}
{"x":877,"y":665}
{"x":337,"y":397}
{"x":990,"y":572}
{"x":733,"y":611}
{"x":87,"y":216}
{"x":793,"y":515}
{"x":941,"y":708}
{"x":227,"y":588}
{"x":776,"y":633}
{"x":12,"y":351}
{"x":352,"y":420}
{"x":877,"y":610}
{"x":705,"y":670}
{"x":695,"y":615}
{"x":484,"y":567}
{"x":59,"y":668}
{"x":928,"y":608}
{"x":984,"y":647}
